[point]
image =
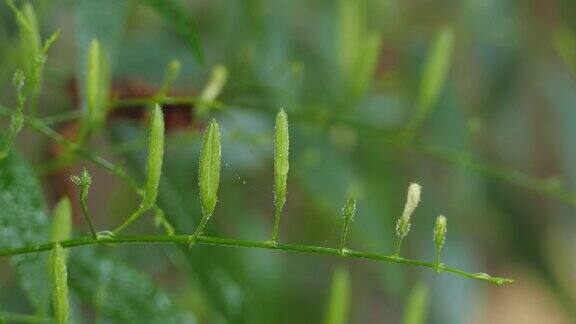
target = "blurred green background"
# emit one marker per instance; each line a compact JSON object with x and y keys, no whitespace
{"x":495,"y":154}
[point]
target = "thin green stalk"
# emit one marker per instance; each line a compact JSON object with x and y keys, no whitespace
{"x":398,"y":245}
{"x":39,"y":126}
{"x":276,"y":226}
{"x":199,"y":230}
{"x":189,"y":100}
{"x":217,"y":241}
{"x":130,"y":220}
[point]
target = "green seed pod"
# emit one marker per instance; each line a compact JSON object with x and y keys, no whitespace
{"x":60,"y":284}
{"x":155,"y":154}
{"x":61,"y":220}
{"x":209,"y":168}
{"x":281,"y":167}
{"x":93,"y":76}
{"x":281,"y":162}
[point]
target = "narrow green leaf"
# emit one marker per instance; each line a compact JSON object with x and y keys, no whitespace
{"x":60,"y":285}
{"x":61,"y":220}
{"x":436,"y":69}
{"x":564,"y":42}
{"x":432,"y":82}
{"x":175,"y":15}
{"x":121,"y":292}
{"x":209,"y":169}
{"x":155,"y":157}
{"x":416,"y":305}
{"x":338,"y":304}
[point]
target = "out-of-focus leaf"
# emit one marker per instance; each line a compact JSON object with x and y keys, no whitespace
{"x":338,"y":304}
{"x":102,"y":20}
{"x":416,"y":305}
{"x":24,"y":222}
{"x":564,"y":41}
{"x":175,"y":15}
{"x":121,"y":293}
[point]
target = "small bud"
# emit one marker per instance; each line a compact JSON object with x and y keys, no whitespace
{"x":170,"y":75}
{"x":209,"y":168}
{"x":61,"y":220}
{"x":440,"y":231}
{"x":412,"y":200}
{"x":348,"y":212}
{"x":217,"y":81}
{"x":403,"y":224}
{"x":155,"y":154}
{"x":439,"y":237}
{"x":83,"y":182}
{"x":60,"y":284}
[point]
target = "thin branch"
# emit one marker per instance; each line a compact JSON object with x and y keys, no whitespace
{"x":217,"y":241}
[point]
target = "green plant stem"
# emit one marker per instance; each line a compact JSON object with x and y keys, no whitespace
{"x":217,"y":241}
{"x":39,"y":126}
{"x":199,"y":230}
{"x":398,"y":246}
{"x":437,"y":265}
{"x":276,"y":226}
{"x":130,"y":220}
{"x":24,"y":318}
{"x":166,"y":100}
{"x":86,"y":215}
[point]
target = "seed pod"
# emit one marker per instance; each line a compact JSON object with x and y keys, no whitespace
{"x":155,"y":154}
{"x":209,"y":168}
{"x":93,"y":76}
{"x":61,"y":220}
{"x":60,"y":284}
{"x":281,"y":162}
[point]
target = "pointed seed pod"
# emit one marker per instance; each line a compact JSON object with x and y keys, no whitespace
{"x":155,"y":155}
{"x":281,"y":167}
{"x":209,"y":168}
{"x":61,"y":220}
{"x":348,"y":213}
{"x":59,"y":285}
{"x":281,"y":152}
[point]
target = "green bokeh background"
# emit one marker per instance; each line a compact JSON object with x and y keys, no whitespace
{"x":508,"y":102}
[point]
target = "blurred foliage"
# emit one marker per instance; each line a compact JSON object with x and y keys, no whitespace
{"x":349,"y":74}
